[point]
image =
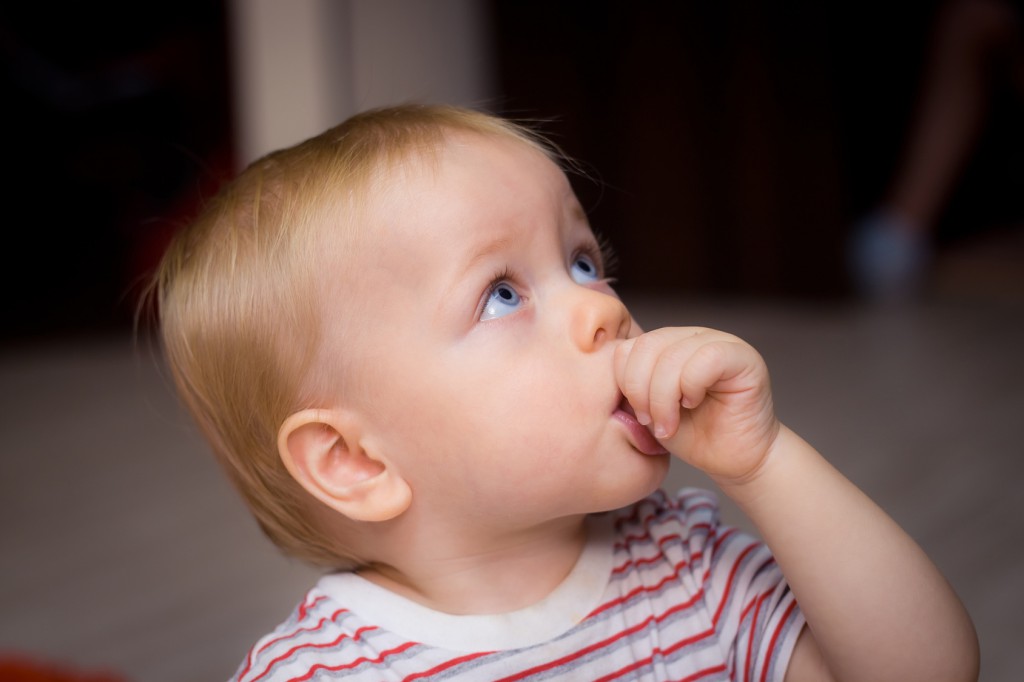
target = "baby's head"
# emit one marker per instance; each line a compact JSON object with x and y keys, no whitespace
{"x":403,"y":320}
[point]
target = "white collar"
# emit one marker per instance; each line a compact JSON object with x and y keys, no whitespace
{"x":570,"y":602}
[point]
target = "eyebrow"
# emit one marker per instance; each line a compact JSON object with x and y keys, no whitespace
{"x":576,"y":210}
{"x":487,"y":250}
{"x":494,"y":246}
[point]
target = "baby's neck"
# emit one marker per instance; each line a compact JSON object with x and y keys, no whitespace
{"x":504,"y":575}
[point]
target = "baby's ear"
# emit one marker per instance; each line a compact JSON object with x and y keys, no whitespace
{"x":322,"y":451}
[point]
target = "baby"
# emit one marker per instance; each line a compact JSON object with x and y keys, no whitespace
{"x":401,"y":342}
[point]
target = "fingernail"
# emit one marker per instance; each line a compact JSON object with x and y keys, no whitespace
{"x":660,"y":431}
{"x":643,"y":418}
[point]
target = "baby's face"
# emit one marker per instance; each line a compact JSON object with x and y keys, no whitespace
{"x":483,"y":361}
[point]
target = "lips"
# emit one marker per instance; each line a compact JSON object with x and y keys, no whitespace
{"x":639,"y":436}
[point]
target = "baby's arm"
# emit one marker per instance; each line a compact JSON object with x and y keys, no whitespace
{"x":876,"y":606}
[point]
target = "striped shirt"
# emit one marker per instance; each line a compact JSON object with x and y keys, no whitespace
{"x":662,"y":591}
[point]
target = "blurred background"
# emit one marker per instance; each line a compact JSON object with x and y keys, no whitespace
{"x":736,"y":145}
{"x":742,"y":156}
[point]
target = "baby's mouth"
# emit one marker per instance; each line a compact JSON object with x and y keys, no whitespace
{"x":640,"y":437}
{"x":626,"y":407}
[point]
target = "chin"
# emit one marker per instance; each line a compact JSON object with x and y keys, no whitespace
{"x":632,"y":489}
{"x":660,"y":474}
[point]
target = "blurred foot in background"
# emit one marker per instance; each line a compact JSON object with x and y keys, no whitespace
{"x":973,"y":43}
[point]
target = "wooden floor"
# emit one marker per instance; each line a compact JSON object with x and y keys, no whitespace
{"x":123,"y":549}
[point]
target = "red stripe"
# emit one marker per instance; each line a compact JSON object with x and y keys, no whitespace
{"x":635,"y":539}
{"x":750,"y":638}
{"x":701,"y":505}
{"x":729,"y":532}
{"x":314,"y":645}
{"x":636,"y":563}
{"x":618,"y":601}
{"x":624,"y":541}
{"x":648,"y":661}
{"x":359,"y":661}
{"x":254,"y":651}
{"x":659,"y":512}
{"x":704,"y":673}
{"x":658,"y":502}
{"x":660,"y":542}
{"x":732,"y":577}
{"x":703,"y":525}
{"x":445,"y":666}
{"x":758,"y":602}
{"x":657,"y":651}
{"x":753,"y":626}
{"x":775,"y":639}
{"x":304,"y":608}
{"x":609,"y":641}
{"x":746,"y":609}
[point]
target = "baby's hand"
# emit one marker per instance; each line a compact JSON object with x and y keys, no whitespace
{"x":705,"y":394}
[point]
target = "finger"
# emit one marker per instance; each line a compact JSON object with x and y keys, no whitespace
{"x":620,"y":359}
{"x":638,"y":368}
{"x":634,"y":360}
{"x":713,"y":366}
{"x":666,"y":387}
{"x":641,"y":363}
{"x":667,"y":395}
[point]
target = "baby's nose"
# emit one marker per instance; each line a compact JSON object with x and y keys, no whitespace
{"x":599,"y":318}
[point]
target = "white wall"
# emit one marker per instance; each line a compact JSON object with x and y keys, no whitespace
{"x":300,"y":66}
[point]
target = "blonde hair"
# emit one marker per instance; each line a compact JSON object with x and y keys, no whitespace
{"x":238,"y":304}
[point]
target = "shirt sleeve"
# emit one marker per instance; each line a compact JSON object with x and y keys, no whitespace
{"x":754,"y":613}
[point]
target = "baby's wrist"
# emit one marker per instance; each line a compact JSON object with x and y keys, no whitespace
{"x":767,"y":472}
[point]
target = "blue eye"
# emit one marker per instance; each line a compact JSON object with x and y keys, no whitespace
{"x":501,"y":300}
{"x":584,"y":270}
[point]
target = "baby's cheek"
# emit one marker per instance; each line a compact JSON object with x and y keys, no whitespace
{"x":635,"y":329}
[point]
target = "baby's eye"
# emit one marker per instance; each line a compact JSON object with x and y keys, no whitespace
{"x":501,"y":300}
{"x":584,"y":270}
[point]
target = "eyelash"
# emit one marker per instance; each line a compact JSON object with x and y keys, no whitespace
{"x":604,"y":257}
{"x":503,"y":276}
{"x":597,"y":253}
{"x":600,"y":253}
